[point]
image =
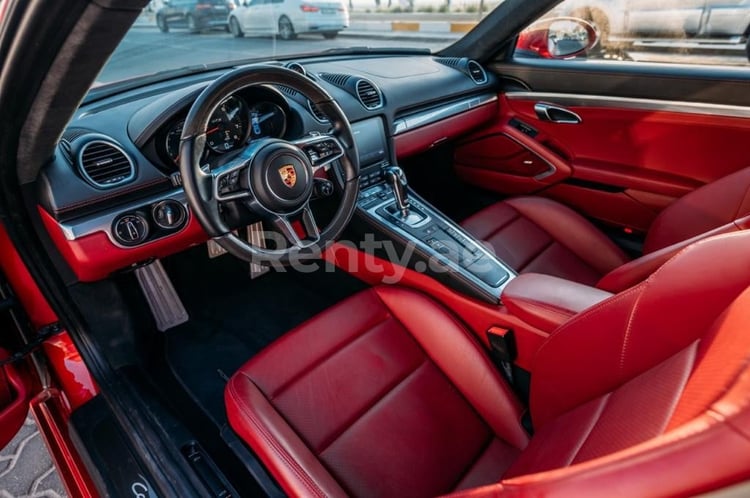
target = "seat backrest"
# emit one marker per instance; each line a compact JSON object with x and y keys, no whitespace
{"x":642,"y":377}
{"x":715,"y":205}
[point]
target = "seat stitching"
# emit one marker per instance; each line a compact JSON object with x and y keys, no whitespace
{"x":330,"y":354}
{"x":534,"y":257}
{"x":629,"y":326}
{"x":481,"y":351}
{"x":502,"y":227}
{"x":742,"y":201}
{"x":472,"y":463}
{"x":273,"y":443}
{"x":362,"y":412}
{"x":595,"y":421}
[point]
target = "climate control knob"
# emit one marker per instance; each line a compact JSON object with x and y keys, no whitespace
{"x":130,"y":229}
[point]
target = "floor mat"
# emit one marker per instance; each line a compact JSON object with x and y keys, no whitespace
{"x":232,"y":318}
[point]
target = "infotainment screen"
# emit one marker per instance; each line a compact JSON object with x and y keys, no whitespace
{"x":371,"y":142}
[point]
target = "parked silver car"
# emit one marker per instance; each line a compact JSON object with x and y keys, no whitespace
{"x":288,"y":18}
{"x":720,"y":25}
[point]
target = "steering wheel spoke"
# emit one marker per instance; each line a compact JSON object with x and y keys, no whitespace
{"x":321,"y":150}
{"x":285,"y":224}
{"x":226,"y":182}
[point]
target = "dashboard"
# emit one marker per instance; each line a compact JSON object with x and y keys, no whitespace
{"x":112,"y":198}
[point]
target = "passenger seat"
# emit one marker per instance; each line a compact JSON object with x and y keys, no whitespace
{"x":534,"y":234}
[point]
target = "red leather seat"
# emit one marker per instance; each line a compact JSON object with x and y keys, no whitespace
{"x":388,"y":394}
{"x":534,"y":234}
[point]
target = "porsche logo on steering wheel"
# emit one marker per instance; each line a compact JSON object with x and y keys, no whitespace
{"x":288,"y":175}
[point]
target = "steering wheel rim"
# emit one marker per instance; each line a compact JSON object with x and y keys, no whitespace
{"x":262,"y":185}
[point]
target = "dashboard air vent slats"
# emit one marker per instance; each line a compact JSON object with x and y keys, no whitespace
{"x":317,"y":112}
{"x":288,"y":90}
{"x":450,"y":61}
{"x":335,"y":78}
{"x":104,"y":164}
{"x":476,"y":71}
{"x":369,"y":95}
{"x":471,"y":68}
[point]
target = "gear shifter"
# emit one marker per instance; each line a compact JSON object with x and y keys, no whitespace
{"x":397,"y":179}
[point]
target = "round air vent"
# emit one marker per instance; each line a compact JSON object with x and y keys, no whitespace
{"x":476,"y":72}
{"x":319,"y":115}
{"x":369,"y":95}
{"x":104,"y":164}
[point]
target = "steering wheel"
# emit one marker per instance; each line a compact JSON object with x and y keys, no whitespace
{"x":271,"y":178}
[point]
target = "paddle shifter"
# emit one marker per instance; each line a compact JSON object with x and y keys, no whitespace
{"x":397,"y":179}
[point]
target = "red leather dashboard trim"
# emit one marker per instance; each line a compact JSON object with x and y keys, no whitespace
{"x":423,"y":138}
{"x":95,"y":256}
{"x":477,"y":316}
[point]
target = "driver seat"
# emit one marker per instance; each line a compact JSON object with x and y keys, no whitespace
{"x":389,"y":394}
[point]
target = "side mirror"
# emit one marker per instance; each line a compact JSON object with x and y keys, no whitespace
{"x":557,"y":38}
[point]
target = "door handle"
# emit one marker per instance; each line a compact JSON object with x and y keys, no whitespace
{"x":556,"y":114}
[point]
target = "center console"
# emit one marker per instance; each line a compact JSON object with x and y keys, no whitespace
{"x":428,"y":240}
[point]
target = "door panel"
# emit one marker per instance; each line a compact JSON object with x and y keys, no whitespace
{"x":14,"y":401}
{"x":627,"y":159}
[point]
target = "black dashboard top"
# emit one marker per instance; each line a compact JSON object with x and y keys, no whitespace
{"x":122,"y":147}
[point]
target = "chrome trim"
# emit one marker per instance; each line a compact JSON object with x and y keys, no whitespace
{"x":493,"y":293}
{"x":423,"y":118}
{"x":315,"y":116}
{"x":577,"y":100}
{"x":484,"y":73}
{"x":85,"y":174}
{"x":542,"y":110}
{"x":301,"y":69}
{"x":102,"y":222}
{"x":380,"y":94}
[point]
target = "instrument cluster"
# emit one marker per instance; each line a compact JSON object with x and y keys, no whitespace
{"x":239,"y":119}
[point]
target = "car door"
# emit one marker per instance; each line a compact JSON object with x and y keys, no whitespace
{"x":255,"y":17}
{"x":618,"y":140}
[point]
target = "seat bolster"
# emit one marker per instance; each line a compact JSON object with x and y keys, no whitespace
{"x":459,"y":356}
{"x":572,"y":231}
{"x":702,"y":455}
{"x":702,"y":210}
{"x":638,"y":270}
{"x":297,"y":470}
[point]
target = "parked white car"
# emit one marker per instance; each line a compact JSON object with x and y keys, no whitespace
{"x":288,"y":18}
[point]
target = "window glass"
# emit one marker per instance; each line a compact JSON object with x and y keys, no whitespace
{"x":711,"y":32}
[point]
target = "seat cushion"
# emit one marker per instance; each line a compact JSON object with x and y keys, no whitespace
{"x":543,"y":236}
{"x":369,"y":399}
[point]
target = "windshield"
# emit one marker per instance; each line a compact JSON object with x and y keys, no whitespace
{"x":175,"y":34}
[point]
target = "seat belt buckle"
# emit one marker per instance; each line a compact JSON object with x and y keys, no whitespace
{"x":503,"y":348}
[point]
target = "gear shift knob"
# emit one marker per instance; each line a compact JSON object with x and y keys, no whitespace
{"x":397,"y":179}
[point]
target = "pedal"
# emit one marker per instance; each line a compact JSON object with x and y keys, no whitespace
{"x":214,"y":249}
{"x":256,"y":238}
{"x":161,"y":296}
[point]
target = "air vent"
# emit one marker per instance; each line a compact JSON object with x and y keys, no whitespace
{"x":104,"y":164}
{"x":319,"y":115}
{"x":297,"y":68}
{"x":336,"y":79}
{"x":369,"y":95}
{"x":66,"y":150}
{"x":450,"y":61}
{"x":288,"y":90}
{"x":476,"y":71}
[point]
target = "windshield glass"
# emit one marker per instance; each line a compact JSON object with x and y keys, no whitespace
{"x":174,"y":34}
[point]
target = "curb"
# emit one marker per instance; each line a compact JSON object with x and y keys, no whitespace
{"x":382,"y":28}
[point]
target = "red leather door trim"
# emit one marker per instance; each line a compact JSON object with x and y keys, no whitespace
{"x":15,"y":391}
{"x":654,"y":157}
